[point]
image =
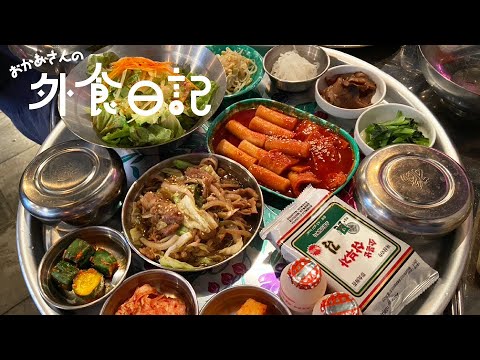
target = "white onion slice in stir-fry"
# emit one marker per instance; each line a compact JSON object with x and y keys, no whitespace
{"x":182,"y":240}
{"x":159,"y":246}
{"x":233,"y":249}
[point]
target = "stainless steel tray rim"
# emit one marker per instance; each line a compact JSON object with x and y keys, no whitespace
{"x":440,"y":293}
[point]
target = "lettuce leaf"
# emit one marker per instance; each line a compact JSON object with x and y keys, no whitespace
{"x":115,"y":137}
{"x":105,"y":122}
{"x":105,"y":59}
{"x":171,"y":122}
{"x":186,"y":121}
{"x":206,"y":99}
{"x":151,"y":135}
{"x":164,"y":118}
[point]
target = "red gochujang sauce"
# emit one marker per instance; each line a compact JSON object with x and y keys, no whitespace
{"x":331,"y":156}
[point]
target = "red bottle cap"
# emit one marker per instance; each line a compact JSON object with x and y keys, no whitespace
{"x":305,"y":274}
{"x":339,"y":303}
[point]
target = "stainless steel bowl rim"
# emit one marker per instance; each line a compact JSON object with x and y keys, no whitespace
{"x":235,"y":288}
{"x":153,"y":271}
{"x":119,"y":238}
{"x":163,"y":164}
{"x":320,"y":73}
{"x":464,"y":101}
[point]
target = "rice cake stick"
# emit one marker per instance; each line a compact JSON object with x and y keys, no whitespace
{"x":270,"y":179}
{"x":252,"y":150}
{"x":267,"y":128}
{"x":277,"y":118}
{"x":288,"y":146}
{"x":244,"y":133}
{"x":229,"y":150}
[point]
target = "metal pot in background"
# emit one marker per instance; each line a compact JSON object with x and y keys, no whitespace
{"x":454,"y":73}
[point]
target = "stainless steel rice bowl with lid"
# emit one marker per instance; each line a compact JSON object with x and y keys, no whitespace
{"x":75,"y":182}
{"x":413,"y":190}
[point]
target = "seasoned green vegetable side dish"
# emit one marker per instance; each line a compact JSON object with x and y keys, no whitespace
{"x":83,"y":270}
{"x":397,"y":131}
{"x":128,"y":129}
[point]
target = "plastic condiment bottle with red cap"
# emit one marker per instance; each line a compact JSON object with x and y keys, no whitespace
{"x":302,"y":284}
{"x":337,"y":303}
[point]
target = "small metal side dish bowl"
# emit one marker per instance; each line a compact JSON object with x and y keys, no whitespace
{"x":97,"y":236}
{"x":413,"y":190}
{"x":75,"y":182}
{"x":345,"y":113}
{"x":385,"y":112}
{"x":165,"y":281}
{"x":192,"y":58}
{"x":313,"y":53}
{"x":232,"y":167}
{"x":454,"y":73}
{"x":228,"y":301}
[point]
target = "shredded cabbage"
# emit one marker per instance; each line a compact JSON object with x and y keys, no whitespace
{"x":194,"y":217}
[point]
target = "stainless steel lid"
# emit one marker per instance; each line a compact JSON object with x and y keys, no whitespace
{"x":70,"y":180}
{"x":413,"y":189}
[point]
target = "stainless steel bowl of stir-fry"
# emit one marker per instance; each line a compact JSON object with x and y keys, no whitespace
{"x":192,"y":212}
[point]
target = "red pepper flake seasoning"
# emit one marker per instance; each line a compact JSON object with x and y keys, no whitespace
{"x":305,"y":274}
{"x":339,"y":303}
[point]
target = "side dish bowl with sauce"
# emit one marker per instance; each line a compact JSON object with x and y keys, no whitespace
{"x":292,"y":147}
{"x":346,"y":91}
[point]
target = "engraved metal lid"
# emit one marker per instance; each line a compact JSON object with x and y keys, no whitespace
{"x":413,"y":189}
{"x":70,"y":180}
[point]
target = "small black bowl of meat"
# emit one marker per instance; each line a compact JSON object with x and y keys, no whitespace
{"x":192,"y":212}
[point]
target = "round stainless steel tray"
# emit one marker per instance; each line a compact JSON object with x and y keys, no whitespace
{"x":447,"y":255}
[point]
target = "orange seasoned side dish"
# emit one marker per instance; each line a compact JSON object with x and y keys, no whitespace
{"x":252,"y":307}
